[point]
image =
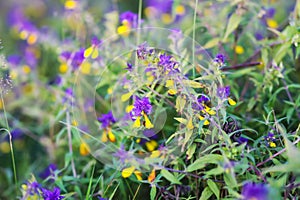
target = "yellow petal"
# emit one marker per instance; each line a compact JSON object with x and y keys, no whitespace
{"x":172,"y":91}
{"x":26,"y":69}
{"x":88,"y":52}
{"x":123,"y":30}
{"x":239,"y":49}
{"x":151,"y":176}
{"x":138,"y":175}
{"x":272,"y":23}
{"x":190,"y":125}
{"x":166,"y":18}
{"x":63,"y":68}
{"x":84,"y":149}
{"x":180,"y":10}
{"x":169,"y":83}
{"x":231,"y":101}
{"x":23,"y":35}
{"x":148,"y":123}
{"x":111,"y":136}
{"x":127,"y":171}
{"x":70,"y":4}
{"x":129,"y":108}
{"x":4,"y":147}
{"x":109,"y":90}
{"x":32,"y":39}
{"x":155,"y":154}
{"x":151,"y":145}
{"x":206,"y":122}
{"x":272,"y":144}
{"x":137,"y":122}
{"x":104,"y":137}
{"x":95,"y":53}
{"x":85,"y":67}
{"x":126,"y":96}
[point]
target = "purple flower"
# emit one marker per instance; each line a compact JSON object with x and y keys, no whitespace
{"x":162,"y":6}
{"x":52,"y":195}
{"x":129,"y":17}
{"x":129,"y":67}
{"x":33,"y":188}
{"x":95,"y":41}
{"x":257,"y":191}
{"x":223,"y":92}
{"x":78,"y":58}
{"x":167,"y":63}
{"x":143,"y":51}
{"x":140,"y":106}
{"x":270,"y":12}
{"x":68,"y":96}
{"x":107,"y":120}
{"x":198,"y":106}
{"x":48,"y":171}
{"x":220,"y":58}
{"x":122,"y":154}
{"x":259,"y":36}
{"x":14,"y":59}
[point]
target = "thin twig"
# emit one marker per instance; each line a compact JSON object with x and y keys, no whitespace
{"x":241,"y":66}
{"x":70,"y":143}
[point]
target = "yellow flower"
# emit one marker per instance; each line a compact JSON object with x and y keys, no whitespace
{"x":85,"y":67}
{"x":126,"y":96}
{"x":70,"y":4}
{"x":180,"y":10}
{"x":111,"y":136}
{"x":63,"y":68}
{"x":138,"y":175}
{"x":137,"y":122}
{"x":151,"y":145}
{"x":272,"y":144}
{"x":148,"y":123}
{"x":172,"y":91}
{"x":104,"y":136}
{"x":166,"y":18}
{"x":26,"y":69}
{"x":272,"y":23}
{"x":127,"y":171}
{"x":32,"y":39}
{"x":231,"y":101}
{"x":155,"y":154}
{"x":84,"y":149}
{"x":151,"y":176}
{"x":123,"y":30}
{"x":239,"y":49}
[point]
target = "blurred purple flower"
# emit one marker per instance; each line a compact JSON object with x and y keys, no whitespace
{"x":143,"y":51}
{"x":78,"y":58}
{"x":161,"y":6}
{"x":257,"y":191}
{"x":48,"y":171}
{"x":259,"y":36}
{"x":107,"y":119}
{"x":14,"y":59}
{"x":223,"y":92}
{"x":52,"y":195}
{"x":129,"y":17}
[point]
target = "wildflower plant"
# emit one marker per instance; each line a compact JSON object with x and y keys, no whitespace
{"x":160,"y":99}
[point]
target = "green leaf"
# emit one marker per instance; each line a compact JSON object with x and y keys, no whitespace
{"x":169,"y":176}
{"x":214,"y":188}
{"x":281,"y":51}
{"x":206,"y":194}
{"x":211,"y":43}
{"x":201,"y":162}
{"x":191,"y":150}
{"x":153,"y":192}
{"x":230,"y":180}
{"x":233,"y":23}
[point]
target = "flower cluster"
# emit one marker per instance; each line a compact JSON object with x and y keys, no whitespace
{"x":107,"y":120}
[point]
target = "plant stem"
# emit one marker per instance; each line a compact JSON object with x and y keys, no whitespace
{"x":70,"y":142}
{"x":10,"y":140}
{"x":194,"y":34}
